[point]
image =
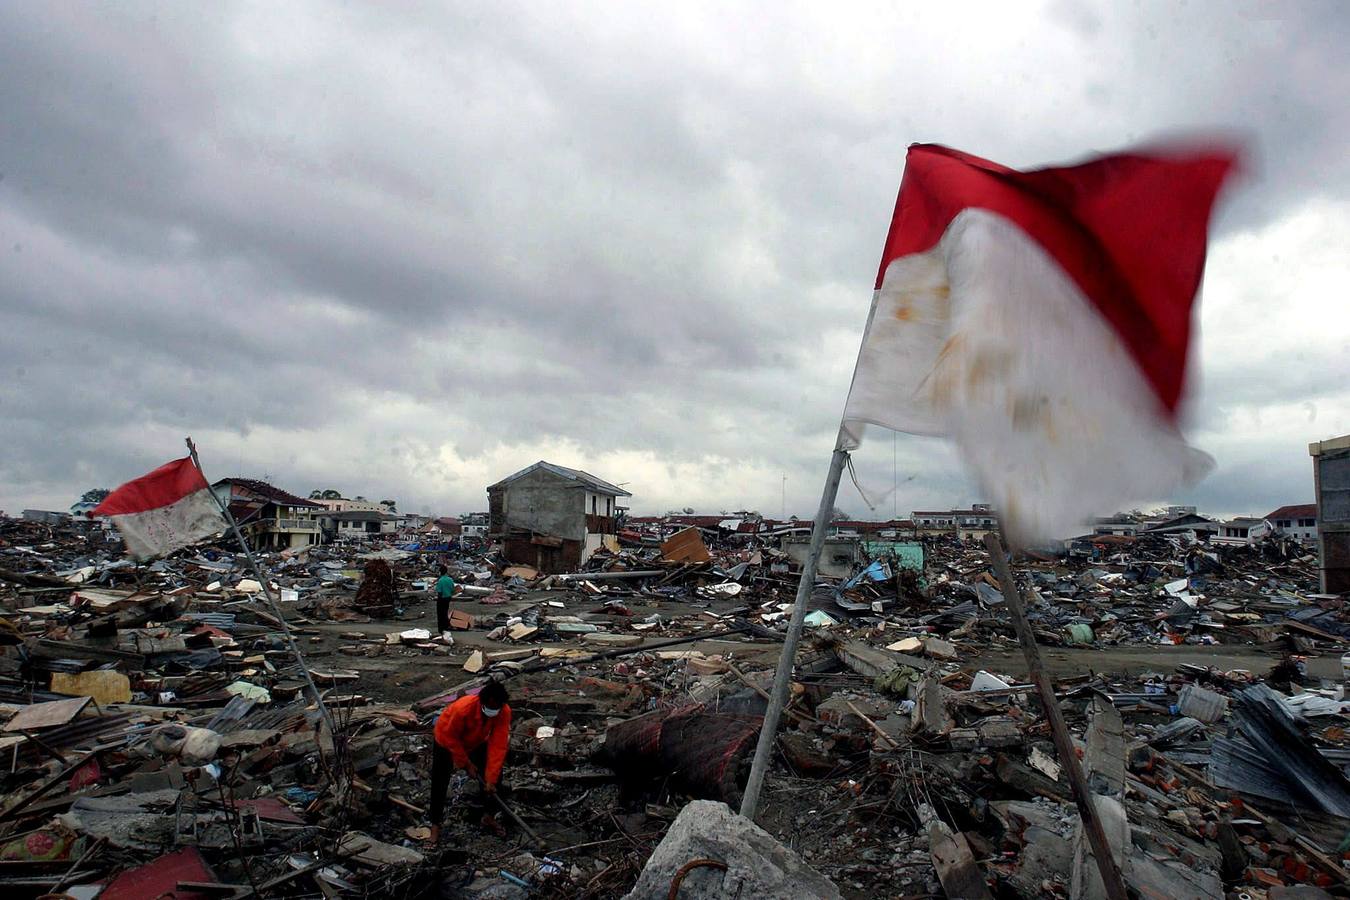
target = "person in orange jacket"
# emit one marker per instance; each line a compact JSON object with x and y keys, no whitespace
{"x":472,"y":733}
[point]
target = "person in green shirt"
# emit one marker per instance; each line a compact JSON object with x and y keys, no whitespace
{"x":445,"y":589}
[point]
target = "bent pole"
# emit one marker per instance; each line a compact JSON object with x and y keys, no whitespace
{"x":267,"y":593}
{"x":783,"y":678}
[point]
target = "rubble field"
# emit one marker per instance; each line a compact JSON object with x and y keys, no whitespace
{"x":161,"y":740}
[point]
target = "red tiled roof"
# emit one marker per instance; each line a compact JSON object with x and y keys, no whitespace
{"x":697,"y":521}
{"x":869,"y":526}
{"x":1300,"y":511}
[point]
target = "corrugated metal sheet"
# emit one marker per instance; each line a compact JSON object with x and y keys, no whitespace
{"x":1272,"y":728}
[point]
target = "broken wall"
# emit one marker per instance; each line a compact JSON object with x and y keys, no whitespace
{"x":539,"y":502}
{"x":838,"y":559}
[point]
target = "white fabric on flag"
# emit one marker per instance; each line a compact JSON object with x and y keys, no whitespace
{"x":163,"y":510}
{"x":157,"y":532}
{"x":985,"y":339}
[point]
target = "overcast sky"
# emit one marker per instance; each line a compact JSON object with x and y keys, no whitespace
{"x":403,"y":253}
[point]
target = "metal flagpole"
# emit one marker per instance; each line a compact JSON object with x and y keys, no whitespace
{"x":783,"y":678}
{"x":267,"y":592}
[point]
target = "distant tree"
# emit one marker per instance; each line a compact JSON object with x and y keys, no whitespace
{"x":358,"y":497}
{"x":391,"y":505}
{"x":839,"y":515}
{"x":316,"y":495}
{"x":331,"y":494}
{"x":688,"y":510}
{"x":95,"y":495}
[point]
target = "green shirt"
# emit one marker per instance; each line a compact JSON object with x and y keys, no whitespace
{"x":445,"y":587}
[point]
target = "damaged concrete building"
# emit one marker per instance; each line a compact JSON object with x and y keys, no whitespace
{"x":552,"y":517}
{"x":270,"y":518}
{"x":1331,"y":481}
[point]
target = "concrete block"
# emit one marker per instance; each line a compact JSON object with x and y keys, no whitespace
{"x":605,"y":639}
{"x":999,"y":732}
{"x":757,"y":865}
{"x":836,"y":710}
{"x":963,"y":738}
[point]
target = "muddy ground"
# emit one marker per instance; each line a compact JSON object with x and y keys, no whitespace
{"x":404,"y":675}
{"x":846,"y":825}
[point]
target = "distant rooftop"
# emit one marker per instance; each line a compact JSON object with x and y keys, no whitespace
{"x":1300,"y":511}
{"x":269,"y":492}
{"x":599,"y":485}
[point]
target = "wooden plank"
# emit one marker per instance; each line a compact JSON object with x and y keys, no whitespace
{"x":48,"y":715}
{"x":956,"y":868}
{"x":50,"y":649}
{"x":871,"y":661}
{"x":686,"y":546}
{"x":1112,"y":882}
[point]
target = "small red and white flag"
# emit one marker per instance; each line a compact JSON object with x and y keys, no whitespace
{"x":1042,"y":319}
{"x":167,"y":509}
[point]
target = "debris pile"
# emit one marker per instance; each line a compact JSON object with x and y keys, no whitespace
{"x":162,"y":737}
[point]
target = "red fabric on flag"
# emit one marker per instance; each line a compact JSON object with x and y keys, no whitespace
{"x":168,"y":484}
{"x":1129,"y":229}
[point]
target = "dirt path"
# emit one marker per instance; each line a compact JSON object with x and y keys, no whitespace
{"x":1133,"y":660}
{"x":397,"y":674}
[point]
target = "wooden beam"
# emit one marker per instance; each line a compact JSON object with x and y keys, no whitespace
{"x":1112,"y":881}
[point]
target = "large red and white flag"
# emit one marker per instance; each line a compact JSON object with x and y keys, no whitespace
{"x":169,"y":508}
{"x":1042,"y":320}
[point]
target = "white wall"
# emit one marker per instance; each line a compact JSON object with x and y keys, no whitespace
{"x":1295,"y":530}
{"x":604,"y":504}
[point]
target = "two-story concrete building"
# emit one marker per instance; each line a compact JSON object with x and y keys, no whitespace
{"x":1241,"y":530}
{"x":552,"y":517}
{"x":980,"y":517}
{"x":271,"y":519}
{"x":1299,"y":521}
{"x":475,"y":525}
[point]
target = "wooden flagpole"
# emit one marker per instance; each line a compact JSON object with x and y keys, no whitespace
{"x":267,"y":592}
{"x":1112,"y":880}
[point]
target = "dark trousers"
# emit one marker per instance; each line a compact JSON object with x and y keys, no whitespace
{"x":442,"y":765}
{"x":442,"y":614}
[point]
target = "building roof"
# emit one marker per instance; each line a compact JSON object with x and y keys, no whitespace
{"x":359,"y":515}
{"x":869,"y":526}
{"x":1299,"y":511}
{"x":586,"y":479}
{"x":694,"y":521}
{"x":1244,"y":521}
{"x":269,"y":492}
{"x":1180,"y":522}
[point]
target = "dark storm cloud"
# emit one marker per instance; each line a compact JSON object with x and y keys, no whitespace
{"x":401,"y":252}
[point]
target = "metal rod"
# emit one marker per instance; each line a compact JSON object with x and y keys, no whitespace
{"x":1112,"y":881}
{"x":520,"y":823}
{"x":608,"y":576}
{"x":783,"y":677}
{"x":267,"y":593}
{"x":66,"y":878}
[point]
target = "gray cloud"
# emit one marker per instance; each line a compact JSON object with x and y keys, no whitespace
{"x":401,"y":252}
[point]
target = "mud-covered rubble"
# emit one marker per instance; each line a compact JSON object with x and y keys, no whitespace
{"x":160,"y":735}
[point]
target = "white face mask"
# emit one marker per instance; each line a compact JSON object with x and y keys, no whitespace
{"x":489,"y":713}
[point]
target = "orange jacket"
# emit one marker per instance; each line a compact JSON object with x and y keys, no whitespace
{"x":462,"y":728}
